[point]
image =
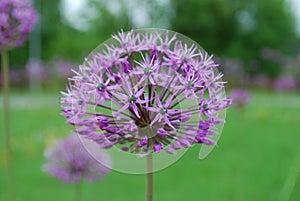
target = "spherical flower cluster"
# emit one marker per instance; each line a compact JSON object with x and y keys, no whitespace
{"x":240,"y":97}
{"x":69,"y":161}
{"x":145,"y":92}
{"x":17,"y":18}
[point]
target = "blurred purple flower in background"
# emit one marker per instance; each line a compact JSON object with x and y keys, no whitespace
{"x":69,"y":161}
{"x":62,"y":68}
{"x":16,"y":76}
{"x":233,"y":69}
{"x":132,"y":93}
{"x":271,"y":54}
{"x":285,"y":83}
{"x":260,"y":81}
{"x":37,"y":70}
{"x":240,"y":97}
{"x":17,"y":18}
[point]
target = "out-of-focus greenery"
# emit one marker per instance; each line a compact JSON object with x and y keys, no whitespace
{"x":255,"y":41}
{"x":253,"y":158}
{"x":235,"y":29}
{"x":239,"y":29}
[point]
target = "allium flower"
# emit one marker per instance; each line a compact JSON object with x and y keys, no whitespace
{"x":17,"y":18}
{"x":146,"y":92}
{"x":69,"y":161}
{"x":285,"y":82}
{"x":240,"y":97}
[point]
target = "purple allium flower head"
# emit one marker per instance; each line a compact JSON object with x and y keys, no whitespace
{"x":37,"y":70}
{"x":240,"y":97}
{"x":69,"y":161}
{"x":17,"y":18}
{"x":148,"y":91}
{"x":285,"y":83}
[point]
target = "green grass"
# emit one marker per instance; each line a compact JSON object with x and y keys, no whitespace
{"x":252,"y":160}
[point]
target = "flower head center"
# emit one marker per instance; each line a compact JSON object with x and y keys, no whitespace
{"x":131,"y":98}
{"x":190,"y":84}
{"x":163,"y":110}
{"x":147,"y":70}
{"x":186,"y":58}
{"x":101,"y":86}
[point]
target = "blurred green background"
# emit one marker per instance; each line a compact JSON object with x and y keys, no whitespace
{"x":257,"y":44}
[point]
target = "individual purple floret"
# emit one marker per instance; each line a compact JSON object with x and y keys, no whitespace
{"x":69,"y":161}
{"x":17,"y":18}
{"x":285,"y":83}
{"x":146,"y":92}
{"x":240,"y":97}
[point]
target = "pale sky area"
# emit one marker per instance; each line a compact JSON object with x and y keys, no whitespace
{"x":296,"y":9}
{"x":73,"y":10}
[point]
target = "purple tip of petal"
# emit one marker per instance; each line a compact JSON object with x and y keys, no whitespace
{"x":111,"y":129}
{"x":204,"y":125}
{"x":184,"y":117}
{"x":117,"y":79}
{"x":126,"y":66}
{"x":170,"y":150}
{"x":161,"y":132}
{"x":154,"y":54}
{"x":124,"y":148}
{"x":208,"y":141}
{"x":142,"y":142}
{"x":176,"y":145}
{"x":158,"y":147}
{"x":184,"y":142}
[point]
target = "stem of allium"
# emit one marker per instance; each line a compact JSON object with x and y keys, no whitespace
{"x":240,"y":155}
{"x":6,"y":112}
{"x":291,"y":180}
{"x":149,"y":93}
{"x":78,"y":191}
{"x":149,"y":183}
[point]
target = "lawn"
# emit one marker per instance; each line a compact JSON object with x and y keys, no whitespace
{"x":253,"y":158}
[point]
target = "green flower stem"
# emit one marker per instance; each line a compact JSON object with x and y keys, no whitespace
{"x":78,"y":191}
{"x":6,"y":113}
{"x":291,"y":180}
{"x":149,"y":183}
{"x":240,"y":189}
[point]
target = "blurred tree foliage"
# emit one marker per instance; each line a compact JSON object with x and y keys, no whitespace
{"x":229,"y":28}
{"x":60,"y":39}
{"x":63,"y":40}
{"x":238,"y":29}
